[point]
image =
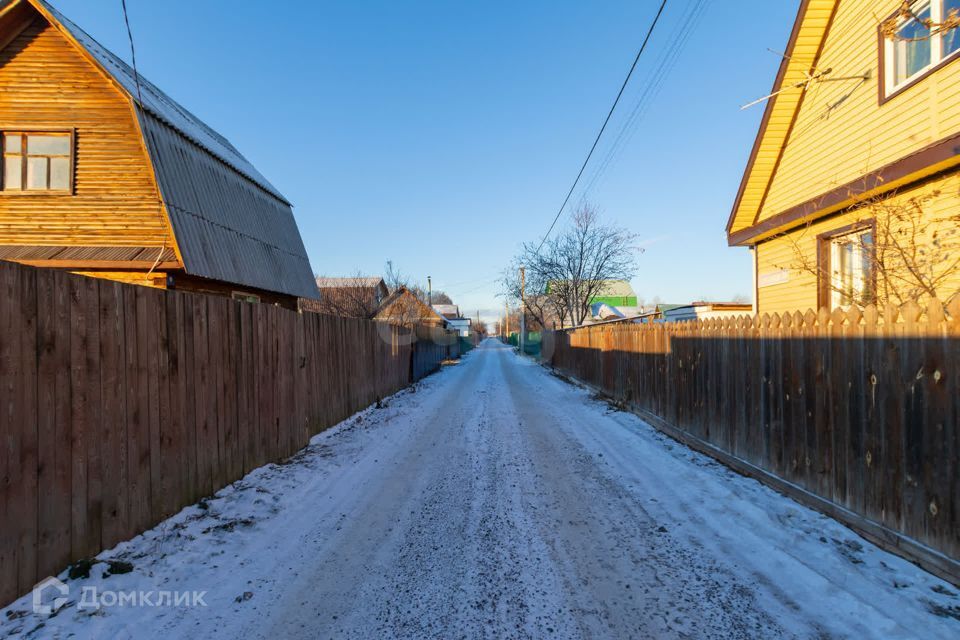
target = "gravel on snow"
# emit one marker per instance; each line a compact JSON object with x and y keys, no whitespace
{"x":494,"y":500}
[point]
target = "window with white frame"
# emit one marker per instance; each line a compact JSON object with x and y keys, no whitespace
{"x":851,"y":268}
{"x":920,"y":42}
{"x":37,"y":161}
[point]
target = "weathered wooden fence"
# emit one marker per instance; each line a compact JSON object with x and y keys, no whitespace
{"x":858,"y":409}
{"x":119,"y":405}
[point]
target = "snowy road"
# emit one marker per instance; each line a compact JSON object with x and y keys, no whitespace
{"x":496,"y":501}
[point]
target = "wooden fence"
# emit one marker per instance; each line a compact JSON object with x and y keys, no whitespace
{"x":120,"y":405}
{"x":858,"y":411}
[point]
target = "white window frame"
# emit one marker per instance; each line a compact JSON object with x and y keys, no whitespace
{"x":936,"y":49}
{"x":863,"y":281}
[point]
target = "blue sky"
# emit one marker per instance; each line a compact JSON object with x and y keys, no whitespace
{"x":441,"y":134}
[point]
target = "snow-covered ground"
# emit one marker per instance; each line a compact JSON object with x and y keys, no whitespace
{"x":496,"y":501}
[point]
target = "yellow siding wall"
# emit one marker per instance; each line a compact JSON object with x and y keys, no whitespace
{"x":841,"y":132}
{"x":46,"y":83}
{"x":787,"y":251}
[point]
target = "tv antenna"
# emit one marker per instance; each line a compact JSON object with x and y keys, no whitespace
{"x":811,"y":77}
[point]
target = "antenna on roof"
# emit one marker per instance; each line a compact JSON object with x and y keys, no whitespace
{"x":803,"y":84}
{"x":819,"y":76}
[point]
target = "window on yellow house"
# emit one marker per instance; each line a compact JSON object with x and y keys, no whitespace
{"x":37,"y":161}
{"x":920,"y":43}
{"x":851,"y":269}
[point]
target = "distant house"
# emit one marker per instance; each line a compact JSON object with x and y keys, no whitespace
{"x":851,"y":192}
{"x":358,"y":297}
{"x":600,"y":311}
{"x":449,"y":311}
{"x":110,"y":177}
{"x":616,"y":293}
{"x":704,"y":311}
{"x":656,"y":314}
{"x":405,"y":308}
{"x":455,"y":322}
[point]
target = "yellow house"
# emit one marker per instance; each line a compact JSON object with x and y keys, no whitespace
{"x":852,"y":191}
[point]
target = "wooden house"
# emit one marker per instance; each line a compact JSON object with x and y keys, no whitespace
{"x":403,"y":307}
{"x":704,"y":310}
{"x":851,"y":192}
{"x":103,"y":174}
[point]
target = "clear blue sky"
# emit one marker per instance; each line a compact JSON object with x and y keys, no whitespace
{"x":441,"y":134}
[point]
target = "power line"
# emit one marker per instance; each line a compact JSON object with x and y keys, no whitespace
{"x":133,"y":51}
{"x":650,"y":92}
{"x":643,"y":46}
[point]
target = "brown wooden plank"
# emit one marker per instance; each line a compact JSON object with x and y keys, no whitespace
{"x":180,"y":460}
{"x":169,"y":461}
{"x":9,"y":589}
{"x":206,"y":440}
{"x":27,"y":402}
{"x":186,"y":389}
{"x":214,"y":407}
{"x":85,"y":414}
{"x":54,"y":517}
{"x":113,"y":421}
{"x":138,"y":406}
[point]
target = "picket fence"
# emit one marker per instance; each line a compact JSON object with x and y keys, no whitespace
{"x":857,"y":410}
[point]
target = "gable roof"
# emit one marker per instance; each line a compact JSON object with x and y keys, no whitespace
{"x":229,"y":223}
{"x":610,"y":288}
{"x":426,"y":311}
{"x":449,"y":311}
{"x":159,"y":104}
{"x":617,"y":288}
{"x":804,"y":49}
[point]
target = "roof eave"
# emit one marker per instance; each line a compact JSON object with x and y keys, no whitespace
{"x":772,"y":105}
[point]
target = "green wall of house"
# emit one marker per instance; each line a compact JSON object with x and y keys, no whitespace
{"x":616,"y":301}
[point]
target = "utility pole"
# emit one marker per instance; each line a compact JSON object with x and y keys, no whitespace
{"x":523,"y":308}
{"x":430,"y":291}
{"x":506,"y":320}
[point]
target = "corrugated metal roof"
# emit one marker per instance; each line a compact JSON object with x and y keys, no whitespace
{"x":349,"y":283}
{"x":449,"y":311}
{"x":617,"y":288}
{"x":226,"y":228}
{"x":229,"y":222}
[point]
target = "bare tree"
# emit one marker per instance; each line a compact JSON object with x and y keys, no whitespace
{"x":437,"y":297}
{"x":910,"y":252}
{"x":353,"y":297}
{"x":573,"y":268}
{"x":541,"y":305}
{"x":394,"y":278}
